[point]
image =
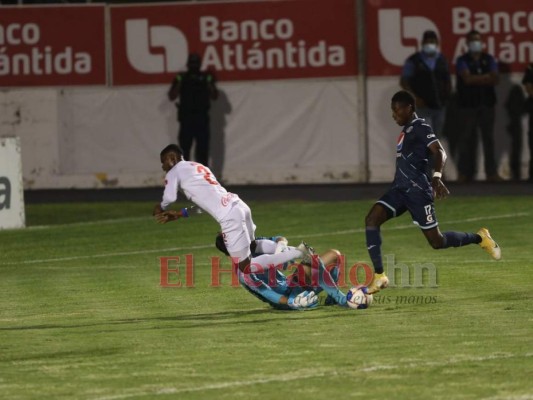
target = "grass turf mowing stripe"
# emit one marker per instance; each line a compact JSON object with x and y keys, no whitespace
{"x":197,"y":247}
{"x":305,"y":374}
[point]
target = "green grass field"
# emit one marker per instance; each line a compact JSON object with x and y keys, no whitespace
{"x":82,"y":315}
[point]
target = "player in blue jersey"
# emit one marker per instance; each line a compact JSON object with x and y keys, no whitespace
{"x":412,"y":191}
{"x":297,"y":291}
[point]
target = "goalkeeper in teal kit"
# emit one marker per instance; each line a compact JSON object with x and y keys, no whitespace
{"x":298,"y":291}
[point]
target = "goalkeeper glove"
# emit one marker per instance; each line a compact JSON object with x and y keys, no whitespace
{"x":303,"y":301}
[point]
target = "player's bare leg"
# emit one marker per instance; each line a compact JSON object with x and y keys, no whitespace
{"x":322,"y":274}
{"x":244,"y":265}
{"x":376,"y":217}
{"x":434,"y":237}
{"x":329,"y":258}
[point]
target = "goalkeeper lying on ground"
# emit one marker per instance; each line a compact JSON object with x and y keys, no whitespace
{"x":298,"y":291}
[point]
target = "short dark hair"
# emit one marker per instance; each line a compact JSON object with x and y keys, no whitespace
{"x":404,"y":97}
{"x":171,"y":148}
{"x":430,"y":35}
{"x":472,"y":33}
{"x":194,"y":60}
{"x":220,"y":244}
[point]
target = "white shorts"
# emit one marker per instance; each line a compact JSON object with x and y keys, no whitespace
{"x":238,"y":230}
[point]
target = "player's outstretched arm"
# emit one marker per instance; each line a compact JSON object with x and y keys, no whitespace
{"x":440,"y":191}
{"x":172,"y":215}
{"x":167,"y":216}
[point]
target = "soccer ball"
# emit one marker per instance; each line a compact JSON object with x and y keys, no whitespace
{"x":359,"y":298}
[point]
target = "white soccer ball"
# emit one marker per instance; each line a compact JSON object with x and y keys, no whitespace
{"x":359,"y":298}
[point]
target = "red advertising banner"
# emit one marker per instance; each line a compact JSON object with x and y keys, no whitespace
{"x":238,"y":41}
{"x":52,"y":46}
{"x":395,"y":30}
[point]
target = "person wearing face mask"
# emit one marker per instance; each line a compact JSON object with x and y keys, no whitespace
{"x":195,"y":89}
{"x":426,"y":75}
{"x":477,"y":76}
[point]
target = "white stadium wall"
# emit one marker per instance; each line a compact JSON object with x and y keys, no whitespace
{"x":299,"y":131}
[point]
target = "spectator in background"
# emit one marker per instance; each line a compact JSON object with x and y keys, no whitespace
{"x":195,"y":90}
{"x":528,"y":84}
{"x":426,"y":75}
{"x":515,"y":107}
{"x":477,"y":76}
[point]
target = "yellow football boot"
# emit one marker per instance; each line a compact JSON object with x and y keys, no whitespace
{"x":379,"y":281}
{"x":489,"y":245}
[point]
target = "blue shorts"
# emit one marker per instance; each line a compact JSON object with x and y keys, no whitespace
{"x":419,"y":203}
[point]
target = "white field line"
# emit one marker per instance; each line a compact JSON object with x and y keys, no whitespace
{"x":491,"y":261}
{"x":206,"y":246}
{"x":216,"y":386}
{"x":527,"y":396}
{"x":124,"y":253}
{"x":407,"y":226}
{"x":89,"y":223}
{"x":297,"y":375}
